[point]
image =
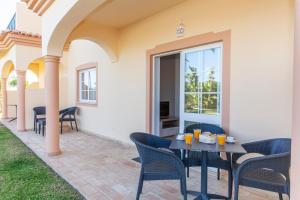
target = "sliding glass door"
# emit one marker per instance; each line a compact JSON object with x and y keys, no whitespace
{"x":200,"y":85}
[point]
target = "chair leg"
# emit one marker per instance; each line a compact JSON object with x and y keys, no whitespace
{"x":218,"y":175}
{"x":61,"y":127}
{"x":236,"y":192}
{"x":183,"y":188}
{"x":39,"y":128}
{"x":280,"y":196}
{"x":187,"y":171}
{"x":76,"y":125}
{"x":71,"y":125}
{"x":43,"y":131}
{"x":36,"y":127}
{"x":230,"y":182}
{"x":140,"y":186}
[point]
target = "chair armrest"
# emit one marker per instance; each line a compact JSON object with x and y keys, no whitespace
{"x":161,"y":142}
{"x":63,"y":111}
{"x":266,"y":147}
{"x":261,"y":147}
{"x":279,"y":163}
{"x":149,"y":155}
{"x":66,"y":113}
{"x":236,"y":156}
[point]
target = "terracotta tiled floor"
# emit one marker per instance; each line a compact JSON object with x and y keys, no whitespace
{"x":102,"y":169}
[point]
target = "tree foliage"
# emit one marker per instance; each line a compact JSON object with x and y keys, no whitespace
{"x":201,"y":94}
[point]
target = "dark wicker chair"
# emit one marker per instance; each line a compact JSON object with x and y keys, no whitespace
{"x":214,"y":159}
{"x":269,"y":172}
{"x":69,"y":115}
{"x":37,"y":112}
{"x":157,"y":162}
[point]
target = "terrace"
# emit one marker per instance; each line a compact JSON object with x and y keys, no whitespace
{"x":101,"y":168}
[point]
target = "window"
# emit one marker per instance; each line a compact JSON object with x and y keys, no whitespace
{"x":201,"y":85}
{"x":87,"y":77}
{"x":203,"y":81}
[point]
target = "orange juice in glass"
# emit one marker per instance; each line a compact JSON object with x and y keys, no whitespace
{"x":197,"y":133}
{"x":188,"y":138}
{"x":221,"y":139}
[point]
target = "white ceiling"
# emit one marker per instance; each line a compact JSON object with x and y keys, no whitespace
{"x":120,"y":13}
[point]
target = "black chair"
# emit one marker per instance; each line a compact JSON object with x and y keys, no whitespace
{"x":214,"y":159}
{"x":158,"y":162}
{"x":269,"y":172}
{"x":37,"y":112}
{"x":41,"y":123}
{"x":69,"y":115}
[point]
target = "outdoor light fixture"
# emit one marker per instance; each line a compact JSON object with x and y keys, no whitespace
{"x":180,"y":29}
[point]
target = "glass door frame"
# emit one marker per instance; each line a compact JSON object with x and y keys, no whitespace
{"x":196,"y":117}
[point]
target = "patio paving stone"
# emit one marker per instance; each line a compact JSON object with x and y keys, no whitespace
{"x":102,"y":169}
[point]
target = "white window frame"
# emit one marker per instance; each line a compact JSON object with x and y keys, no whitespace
{"x":197,"y":117}
{"x":84,"y":69}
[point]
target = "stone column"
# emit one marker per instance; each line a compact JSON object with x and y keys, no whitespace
{"x":52,"y":105}
{"x":21,"y":83}
{"x":295,"y":172}
{"x":4,"y":97}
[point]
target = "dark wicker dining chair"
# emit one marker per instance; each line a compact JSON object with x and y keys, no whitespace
{"x":158,"y":162}
{"x":214,"y":159}
{"x":68,"y":115}
{"x":269,"y":172}
{"x":37,"y":112}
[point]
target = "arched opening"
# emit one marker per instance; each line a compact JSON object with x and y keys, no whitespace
{"x":32,"y":80}
{"x":35,"y":75}
{"x":7,"y":68}
{"x":6,"y":97}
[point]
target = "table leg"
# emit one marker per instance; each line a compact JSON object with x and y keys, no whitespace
{"x":230,"y":178}
{"x":204,"y":173}
{"x":203,"y":195}
{"x":204,"y":179}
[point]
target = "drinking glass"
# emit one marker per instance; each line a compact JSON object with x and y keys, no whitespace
{"x":188,"y":138}
{"x":221,"y":139}
{"x":197,"y":133}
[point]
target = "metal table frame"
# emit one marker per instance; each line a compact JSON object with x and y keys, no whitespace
{"x":228,"y":148}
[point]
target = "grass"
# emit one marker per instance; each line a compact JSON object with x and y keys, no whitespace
{"x":24,"y":176}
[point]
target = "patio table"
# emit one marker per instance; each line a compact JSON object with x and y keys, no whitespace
{"x":205,"y":148}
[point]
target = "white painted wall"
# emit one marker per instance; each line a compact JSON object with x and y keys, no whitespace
{"x":261,"y":67}
{"x":26,"y":20}
{"x":114,"y":116}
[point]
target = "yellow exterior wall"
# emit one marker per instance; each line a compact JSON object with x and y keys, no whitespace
{"x":35,"y":69}
{"x":261,"y":66}
{"x":261,"y":56}
{"x":65,"y":79}
{"x":41,"y":75}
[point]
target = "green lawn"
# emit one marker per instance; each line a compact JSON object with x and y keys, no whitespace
{"x":24,"y":176}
